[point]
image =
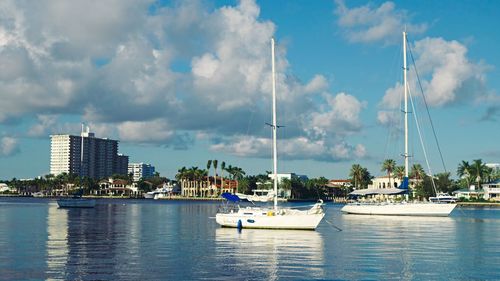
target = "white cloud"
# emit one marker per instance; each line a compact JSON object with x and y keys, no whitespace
{"x":367,"y":24}
{"x":447,"y":75}
{"x":244,"y":146}
{"x":148,"y":131}
{"x":454,"y":77}
{"x":340,"y":116}
{"x":317,"y":84}
{"x":294,"y":148}
{"x":8,"y":146}
{"x":235,"y":69}
{"x":388,"y":118}
{"x":44,"y":126}
{"x":162,"y":75}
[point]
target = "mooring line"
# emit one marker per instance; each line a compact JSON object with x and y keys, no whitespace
{"x":338,"y":228}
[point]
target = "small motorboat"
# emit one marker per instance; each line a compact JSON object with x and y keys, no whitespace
{"x":443,"y":198}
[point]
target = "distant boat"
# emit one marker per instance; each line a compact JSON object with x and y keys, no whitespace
{"x":76,"y":202}
{"x":401,"y":208}
{"x":39,"y":194}
{"x":150,"y":194}
{"x":263,"y":217}
{"x":160,"y":192}
{"x":443,"y":198}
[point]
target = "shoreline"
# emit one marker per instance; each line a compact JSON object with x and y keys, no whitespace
{"x":181,"y":198}
{"x":478,"y":204}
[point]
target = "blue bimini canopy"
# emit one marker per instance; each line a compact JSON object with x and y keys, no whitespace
{"x":230,"y":197}
{"x":404,"y":184}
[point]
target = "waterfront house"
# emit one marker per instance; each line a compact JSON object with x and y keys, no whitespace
{"x":207,"y":187}
{"x":492,"y":190}
{"x":386,"y":182}
{"x":338,"y":188}
{"x":469,"y":193}
{"x":117,"y":187}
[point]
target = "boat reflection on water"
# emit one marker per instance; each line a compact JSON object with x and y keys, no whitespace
{"x":257,"y":254}
{"x":399,"y":247}
{"x":57,"y":242}
{"x":410,"y":220}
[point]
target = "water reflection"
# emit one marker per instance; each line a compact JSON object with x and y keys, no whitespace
{"x":56,"y":245}
{"x":269,"y":254}
{"x":149,"y":240}
{"x":396,"y":247}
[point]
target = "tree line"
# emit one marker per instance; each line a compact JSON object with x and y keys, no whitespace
{"x":469,"y":173}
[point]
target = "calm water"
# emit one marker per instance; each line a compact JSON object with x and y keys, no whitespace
{"x":152,"y":240}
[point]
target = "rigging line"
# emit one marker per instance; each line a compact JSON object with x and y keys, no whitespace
{"x":427,"y":107}
{"x":393,"y":128}
{"x":252,"y":111}
{"x":331,"y":224}
{"x":421,"y":141}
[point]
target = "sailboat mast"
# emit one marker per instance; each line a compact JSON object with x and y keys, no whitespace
{"x":274,"y":126}
{"x":406,"y":104}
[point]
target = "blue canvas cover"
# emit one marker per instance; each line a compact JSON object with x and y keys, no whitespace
{"x":404,"y":184}
{"x":230,"y":197}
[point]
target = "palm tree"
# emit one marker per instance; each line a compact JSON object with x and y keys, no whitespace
{"x":181,"y":176}
{"x":214,"y":164}
{"x":209,"y":164}
{"x":480,"y":170}
{"x":356,"y":174}
{"x":399,"y":171}
{"x":238,"y":173}
{"x":464,"y":171}
{"x":388,"y":166}
{"x":222,"y":168}
{"x":417,"y":171}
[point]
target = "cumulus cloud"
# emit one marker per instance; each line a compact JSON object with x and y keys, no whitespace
{"x":161,"y":75}
{"x":454,"y":78}
{"x":8,"y":146}
{"x":340,"y":117}
{"x":388,"y":117}
{"x":44,"y":126}
{"x":321,"y":138}
{"x":293,"y":148}
{"x":148,"y":131}
{"x":448,"y":77}
{"x":368,"y":24}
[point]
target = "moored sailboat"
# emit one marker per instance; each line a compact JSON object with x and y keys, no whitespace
{"x":276,"y":217}
{"x":401,"y":208}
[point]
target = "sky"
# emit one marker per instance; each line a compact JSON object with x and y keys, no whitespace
{"x":182,"y":82}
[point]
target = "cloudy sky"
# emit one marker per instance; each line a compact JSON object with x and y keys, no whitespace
{"x":181,"y":82}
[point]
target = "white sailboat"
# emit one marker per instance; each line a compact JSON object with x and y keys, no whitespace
{"x":276,"y":217}
{"x":77,"y":201}
{"x":403,"y":208}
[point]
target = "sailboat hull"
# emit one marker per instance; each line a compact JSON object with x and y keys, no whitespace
{"x":263,"y":221}
{"x":400,"y":209}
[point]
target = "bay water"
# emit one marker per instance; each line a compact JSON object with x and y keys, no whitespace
{"x":180,"y":240}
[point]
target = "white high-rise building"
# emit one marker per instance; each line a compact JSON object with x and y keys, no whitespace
{"x":85,"y":156}
{"x":141,"y":170}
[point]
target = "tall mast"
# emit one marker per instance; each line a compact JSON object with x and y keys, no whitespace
{"x":406,"y":104}
{"x":274,"y":126}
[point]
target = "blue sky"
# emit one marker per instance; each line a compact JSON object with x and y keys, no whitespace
{"x":181,"y":82}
